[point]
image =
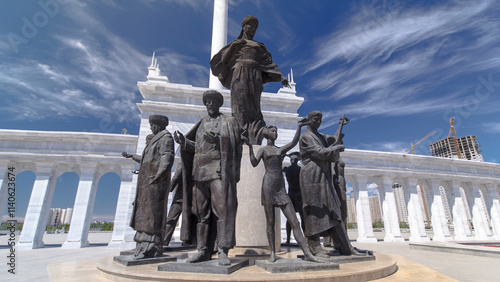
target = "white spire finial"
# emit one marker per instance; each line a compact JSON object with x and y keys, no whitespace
{"x":152,"y":61}
{"x":156,"y":63}
{"x":291,"y":72}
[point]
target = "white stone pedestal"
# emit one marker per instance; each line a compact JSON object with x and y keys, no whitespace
{"x":250,"y":219}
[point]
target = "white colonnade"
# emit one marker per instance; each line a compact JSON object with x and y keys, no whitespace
{"x":466,"y":184}
{"x":51,"y":154}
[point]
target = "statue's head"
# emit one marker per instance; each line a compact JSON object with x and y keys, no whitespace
{"x":294,"y":157}
{"x":314,"y":119}
{"x":158,"y":123}
{"x":249,"y":27}
{"x":270,"y":132}
{"x":213,"y":100}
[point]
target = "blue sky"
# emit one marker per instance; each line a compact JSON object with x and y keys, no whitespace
{"x":397,"y":69}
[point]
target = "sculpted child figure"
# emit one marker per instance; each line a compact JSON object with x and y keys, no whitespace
{"x":273,"y":188}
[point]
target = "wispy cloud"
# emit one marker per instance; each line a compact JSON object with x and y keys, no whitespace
{"x":491,"y":127}
{"x":92,"y":73}
{"x":393,"y":64}
{"x":397,"y":147}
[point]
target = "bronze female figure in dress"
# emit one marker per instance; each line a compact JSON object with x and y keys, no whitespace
{"x":244,"y":66}
{"x":273,"y":188}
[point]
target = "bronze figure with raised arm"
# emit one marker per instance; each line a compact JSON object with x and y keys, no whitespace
{"x":273,"y":188}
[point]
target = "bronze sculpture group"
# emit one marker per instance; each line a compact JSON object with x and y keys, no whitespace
{"x":211,"y":153}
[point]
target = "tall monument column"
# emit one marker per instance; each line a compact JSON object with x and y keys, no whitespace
{"x":219,"y":36}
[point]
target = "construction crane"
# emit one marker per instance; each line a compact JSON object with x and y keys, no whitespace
{"x":453,"y":135}
{"x":412,"y":148}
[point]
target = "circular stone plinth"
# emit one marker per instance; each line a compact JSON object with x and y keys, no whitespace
{"x":383,"y":266}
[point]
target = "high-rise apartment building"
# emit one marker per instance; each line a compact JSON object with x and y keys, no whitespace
{"x":375,"y":211}
{"x":467,"y":146}
{"x":58,"y":216}
{"x":400,"y":202}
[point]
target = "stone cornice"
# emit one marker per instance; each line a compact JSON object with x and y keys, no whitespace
{"x":180,"y":93}
{"x":397,"y":165}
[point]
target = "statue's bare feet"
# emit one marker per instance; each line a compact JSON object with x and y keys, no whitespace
{"x":310,"y":257}
{"x":272,"y":257}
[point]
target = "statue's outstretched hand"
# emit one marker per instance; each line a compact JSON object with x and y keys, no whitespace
{"x":303,"y":122}
{"x":127,"y":155}
{"x":285,"y":83}
{"x":179,"y":138}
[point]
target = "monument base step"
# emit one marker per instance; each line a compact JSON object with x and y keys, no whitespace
{"x":210,"y":266}
{"x":285,"y":265}
{"x":128,"y":260}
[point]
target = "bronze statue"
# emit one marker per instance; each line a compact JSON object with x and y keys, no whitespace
{"x":148,"y":215}
{"x":273,"y":188}
{"x":211,"y":158}
{"x":322,"y":204}
{"x":339,"y":178}
{"x":178,"y":207}
{"x":244,"y":66}
{"x":292,"y":174}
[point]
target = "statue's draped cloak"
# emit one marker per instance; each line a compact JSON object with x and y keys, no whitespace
{"x":320,"y":200}
{"x":231,"y":151}
{"x":150,"y":202}
{"x":243,"y":66}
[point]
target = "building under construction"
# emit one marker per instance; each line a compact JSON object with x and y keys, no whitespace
{"x":468,"y":148}
{"x":457,"y":148}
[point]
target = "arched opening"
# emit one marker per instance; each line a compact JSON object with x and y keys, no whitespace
{"x":23,"y":183}
{"x":445,"y":198}
{"x":351,"y":207}
{"x":402,"y":211}
{"x":423,"y":198}
{"x":467,"y":207}
{"x":375,"y":206}
{"x":61,"y":209}
{"x":103,"y":214}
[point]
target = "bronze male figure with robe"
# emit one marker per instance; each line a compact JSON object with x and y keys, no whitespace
{"x":150,"y":204}
{"x":211,"y":158}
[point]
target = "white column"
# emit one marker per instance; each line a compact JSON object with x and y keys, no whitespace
{"x":219,"y":36}
{"x":4,"y":195}
{"x":460,"y":224}
{"x":122,"y":232}
{"x":481,"y":225}
{"x":389,"y":210}
{"x":38,"y":209}
{"x":438,"y":214}
{"x":415,"y":217}
{"x":493,"y":205}
{"x":82,"y":210}
{"x":363,"y":216}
